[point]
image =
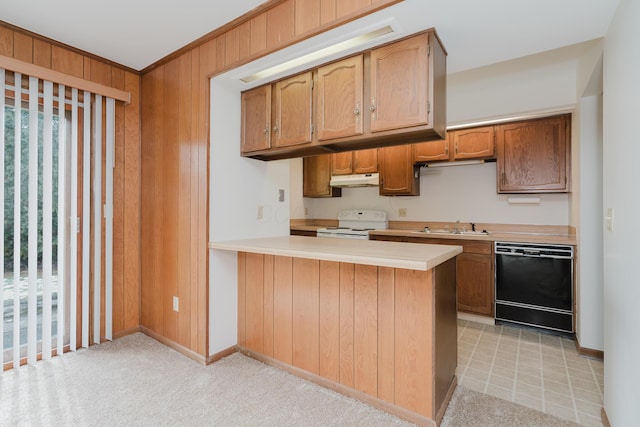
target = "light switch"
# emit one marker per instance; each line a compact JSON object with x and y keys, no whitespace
{"x":609,"y":219}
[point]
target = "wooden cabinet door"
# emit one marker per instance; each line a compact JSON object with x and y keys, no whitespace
{"x":365,"y":161}
{"x":473,"y":143}
{"x":533,"y":156}
{"x":431,"y":151}
{"x":397,"y":174}
{"x":474,"y":282}
{"x":256,"y":117}
{"x":292,"y":111}
{"x":316,"y":175}
{"x":339,"y":93}
{"x":399,"y":90}
{"x":342,"y":163}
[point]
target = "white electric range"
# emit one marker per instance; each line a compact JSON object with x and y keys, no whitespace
{"x":356,"y":224}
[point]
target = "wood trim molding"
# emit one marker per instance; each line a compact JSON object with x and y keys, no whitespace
{"x":214,"y":33}
{"x":23,"y":361}
{"x":66,"y":79}
{"x":347,"y":391}
{"x":604,"y":418}
{"x":177,"y":347}
{"x":126,"y":332}
{"x":447,"y":398}
{"x":589,"y":352}
{"x":374,"y":7}
{"x":222,"y":354}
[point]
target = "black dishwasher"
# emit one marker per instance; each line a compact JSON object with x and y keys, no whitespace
{"x":534,"y":285}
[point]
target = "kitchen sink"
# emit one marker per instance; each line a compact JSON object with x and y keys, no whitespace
{"x":453,"y":232}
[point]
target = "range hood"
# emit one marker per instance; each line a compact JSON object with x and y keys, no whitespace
{"x":358,"y":180}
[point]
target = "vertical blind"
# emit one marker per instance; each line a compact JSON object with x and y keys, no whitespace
{"x":47,"y":196}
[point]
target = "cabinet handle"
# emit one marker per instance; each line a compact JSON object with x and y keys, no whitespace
{"x":276,"y":128}
{"x":356,"y":111}
{"x":446,"y":149}
{"x":456,"y":147}
{"x":372,"y":107}
{"x":266,"y":130}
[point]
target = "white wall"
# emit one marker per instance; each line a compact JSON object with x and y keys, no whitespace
{"x":465,"y":193}
{"x":237,"y":187}
{"x":588,"y":219}
{"x":621,"y":250}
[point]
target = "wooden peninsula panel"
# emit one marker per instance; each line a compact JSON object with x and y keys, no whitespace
{"x":385,"y":333}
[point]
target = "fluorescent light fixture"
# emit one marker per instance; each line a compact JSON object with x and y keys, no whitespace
{"x":319,"y":54}
{"x":460,"y":163}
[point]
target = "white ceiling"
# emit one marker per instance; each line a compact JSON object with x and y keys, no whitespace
{"x":136,"y":33}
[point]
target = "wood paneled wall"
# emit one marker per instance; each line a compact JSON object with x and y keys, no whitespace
{"x":389,"y":333}
{"x":34,"y":49}
{"x":175,"y":150}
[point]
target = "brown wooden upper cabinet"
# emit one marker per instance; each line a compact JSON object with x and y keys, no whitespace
{"x":390,"y":95}
{"x":353,"y":162}
{"x":292,"y":120}
{"x":340,"y":93}
{"x":534,"y":156}
{"x":256,"y":119}
{"x":398,"y":175}
{"x":473,"y":143}
{"x":399,"y":96}
{"x":461,"y":144}
{"x":432,"y":151}
{"x":316,"y":175}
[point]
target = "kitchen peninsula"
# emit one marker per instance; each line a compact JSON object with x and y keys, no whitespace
{"x":370,"y":319}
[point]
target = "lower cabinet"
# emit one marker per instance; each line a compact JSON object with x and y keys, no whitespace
{"x":474,"y":272}
{"x":474,"y":282}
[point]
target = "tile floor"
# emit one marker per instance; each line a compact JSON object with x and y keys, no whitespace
{"x":535,"y":369}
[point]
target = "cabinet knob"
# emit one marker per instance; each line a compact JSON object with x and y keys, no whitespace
{"x":372,"y":107}
{"x":276,"y":128}
{"x":266,"y":130}
{"x":356,"y":112}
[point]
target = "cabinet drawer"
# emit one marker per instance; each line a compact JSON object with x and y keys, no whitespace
{"x":476,"y":247}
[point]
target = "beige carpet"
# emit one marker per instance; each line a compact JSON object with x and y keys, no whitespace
{"x":137,"y":381}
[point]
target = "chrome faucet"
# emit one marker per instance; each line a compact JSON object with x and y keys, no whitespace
{"x":456,"y":228}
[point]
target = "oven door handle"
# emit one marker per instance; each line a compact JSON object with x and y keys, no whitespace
{"x":534,"y":255}
{"x":556,"y":256}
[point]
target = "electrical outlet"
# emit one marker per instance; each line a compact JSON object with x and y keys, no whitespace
{"x":281,"y":195}
{"x":260,"y":212}
{"x":402,"y":212}
{"x":306,"y":211}
{"x":176,"y":303}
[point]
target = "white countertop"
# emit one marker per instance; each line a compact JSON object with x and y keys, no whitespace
{"x":412,"y":256}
